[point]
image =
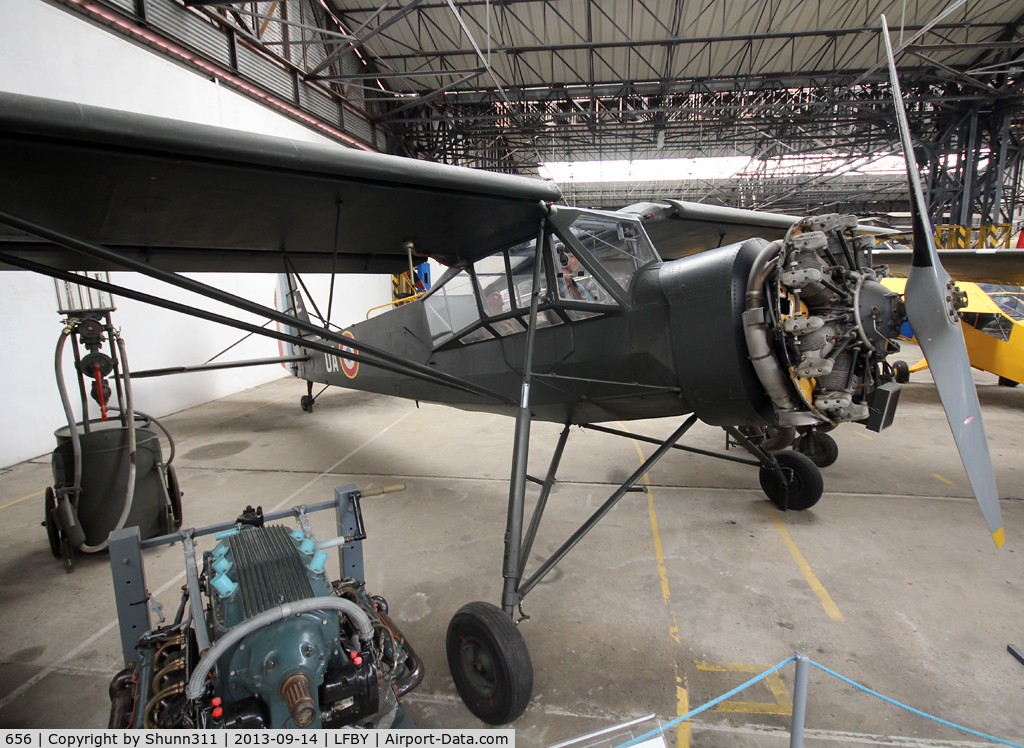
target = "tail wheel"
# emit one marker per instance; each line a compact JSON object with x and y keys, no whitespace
{"x":489,"y":662}
{"x":306,"y":403}
{"x":51,"y":522}
{"x":803,"y":486}
{"x":821,"y":448}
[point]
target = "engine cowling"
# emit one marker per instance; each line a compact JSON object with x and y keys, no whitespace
{"x":791,"y":334}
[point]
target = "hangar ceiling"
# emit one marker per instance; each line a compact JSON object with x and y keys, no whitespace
{"x":506,"y":85}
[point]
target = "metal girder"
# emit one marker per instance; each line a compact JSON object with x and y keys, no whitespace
{"x":581,"y":80}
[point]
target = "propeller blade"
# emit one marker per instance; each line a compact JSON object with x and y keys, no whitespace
{"x":936,"y":325}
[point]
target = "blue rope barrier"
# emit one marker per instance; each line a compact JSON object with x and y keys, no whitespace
{"x":710,"y":704}
{"x":912,"y":710}
{"x":766,"y":673}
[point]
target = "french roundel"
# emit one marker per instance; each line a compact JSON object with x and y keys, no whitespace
{"x":351,"y":368}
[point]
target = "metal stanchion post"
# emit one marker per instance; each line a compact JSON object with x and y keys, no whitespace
{"x":796,"y":730}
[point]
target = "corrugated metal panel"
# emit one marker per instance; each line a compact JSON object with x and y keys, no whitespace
{"x":126,"y":5}
{"x":182,"y":24}
{"x":267,"y":73}
{"x":358,"y":127}
{"x":319,"y":104}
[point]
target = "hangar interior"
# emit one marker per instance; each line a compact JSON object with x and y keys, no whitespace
{"x":693,"y":583}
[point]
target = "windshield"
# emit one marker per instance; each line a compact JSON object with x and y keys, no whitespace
{"x":620,"y":246}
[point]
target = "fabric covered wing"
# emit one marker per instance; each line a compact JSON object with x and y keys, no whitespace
{"x":679,"y":228}
{"x":191,"y":197}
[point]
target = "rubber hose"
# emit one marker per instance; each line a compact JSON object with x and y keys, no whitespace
{"x":153,"y":419}
{"x":197,"y":683}
{"x":76,"y":442}
{"x":130,"y":419}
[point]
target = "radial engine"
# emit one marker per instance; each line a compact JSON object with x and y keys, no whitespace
{"x":819,"y":326}
{"x":287,"y":648}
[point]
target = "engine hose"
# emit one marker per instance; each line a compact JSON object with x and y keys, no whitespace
{"x":130,"y":421}
{"x":755,"y":331}
{"x":197,"y":683}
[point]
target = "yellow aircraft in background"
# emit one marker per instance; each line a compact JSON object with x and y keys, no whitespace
{"x":993,"y":328}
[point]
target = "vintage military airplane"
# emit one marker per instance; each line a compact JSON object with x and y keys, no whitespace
{"x":546,"y":312}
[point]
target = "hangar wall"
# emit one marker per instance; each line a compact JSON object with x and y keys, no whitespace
{"x":45,"y":51}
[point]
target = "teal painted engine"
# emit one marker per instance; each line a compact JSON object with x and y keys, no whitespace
{"x":287,"y":647}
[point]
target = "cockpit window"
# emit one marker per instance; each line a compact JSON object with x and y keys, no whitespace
{"x":1009,"y":298}
{"x":575,"y":284}
{"x":620,"y":246}
{"x":453,"y":308}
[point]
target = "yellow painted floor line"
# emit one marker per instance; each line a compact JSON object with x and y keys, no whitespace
{"x":869,"y":438}
{"x":682,"y":694}
{"x":904,"y":457}
{"x":23,"y":498}
{"x":826,"y":600}
{"x":947,"y":481}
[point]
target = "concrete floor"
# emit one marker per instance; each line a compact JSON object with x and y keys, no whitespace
{"x":892,"y":580}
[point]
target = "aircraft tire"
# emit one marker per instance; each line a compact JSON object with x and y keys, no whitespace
{"x":306,"y":403}
{"x":1004,"y":382}
{"x":51,"y":523}
{"x":821,"y":448}
{"x":489,"y":662}
{"x":805,"y":486}
{"x":901,"y":372}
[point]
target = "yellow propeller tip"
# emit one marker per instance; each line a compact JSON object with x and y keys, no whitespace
{"x":998,"y":537}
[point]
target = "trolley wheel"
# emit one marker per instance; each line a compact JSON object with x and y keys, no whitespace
{"x":51,"y":523}
{"x":804,"y":485}
{"x":489,"y":662}
{"x":821,"y":448}
{"x":1006,"y":382}
{"x":174,"y":494}
{"x":901,"y":372}
{"x":306,"y":403}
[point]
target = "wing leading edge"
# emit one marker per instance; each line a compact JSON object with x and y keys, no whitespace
{"x":190,"y":197}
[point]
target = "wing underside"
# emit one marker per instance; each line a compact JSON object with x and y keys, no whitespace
{"x":188,"y":197}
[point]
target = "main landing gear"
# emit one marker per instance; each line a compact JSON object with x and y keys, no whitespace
{"x":489,"y":662}
{"x":487,"y":655}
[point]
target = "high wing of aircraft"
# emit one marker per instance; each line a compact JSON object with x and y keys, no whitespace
{"x":780,"y":331}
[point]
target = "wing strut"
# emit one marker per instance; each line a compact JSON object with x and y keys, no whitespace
{"x":307,"y":343}
{"x":930,"y":297}
{"x":108,"y":255}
